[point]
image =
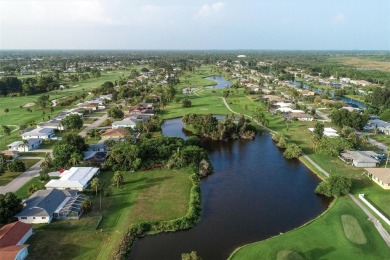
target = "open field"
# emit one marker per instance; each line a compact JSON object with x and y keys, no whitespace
{"x":143,"y":196}
{"x":365,"y":62}
{"x":18,"y":116}
{"x":324,"y":238}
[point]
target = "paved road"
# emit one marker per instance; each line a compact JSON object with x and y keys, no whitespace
{"x":22,"y":179}
{"x":322,"y":115}
{"x":95,"y":124}
{"x":383,"y":232}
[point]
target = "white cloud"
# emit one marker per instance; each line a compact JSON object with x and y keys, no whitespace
{"x":52,"y":14}
{"x":210,"y":9}
{"x":338,"y":19}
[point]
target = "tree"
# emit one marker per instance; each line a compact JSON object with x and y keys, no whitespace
{"x":190,"y":256}
{"x":318,"y":131}
{"x":74,"y":140}
{"x":6,"y":110}
{"x":10,"y":205}
{"x":62,"y":154}
{"x":16,"y":166}
{"x":43,"y":101}
{"x":186,"y":103}
{"x":96,"y":184}
{"x":75,"y":158}
{"x":118,"y":178}
{"x":260,"y":117}
{"x":124,"y":157}
{"x":94,"y":133}
{"x":72,"y":122}
{"x":334,"y":186}
{"x":86,"y":205}
{"x":6,"y":130}
{"x":292,"y":151}
{"x":32,"y":188}
{"x":116,"y":113}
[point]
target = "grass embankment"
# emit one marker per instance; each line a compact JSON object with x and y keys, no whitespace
{"x":144,"y":196}
{"x":341,"y":233}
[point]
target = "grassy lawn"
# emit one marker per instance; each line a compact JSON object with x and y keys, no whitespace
{"x":342,"y":233}
{"x":7,"y":177}
{"x":23,"y":191}
{"x":382,"y":138}
{"x":144,"y":196}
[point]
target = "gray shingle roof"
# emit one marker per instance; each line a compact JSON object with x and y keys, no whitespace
{"x":43,"y":203}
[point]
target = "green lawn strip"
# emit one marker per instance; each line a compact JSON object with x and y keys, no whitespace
{"x":7,"y":177}
{"x":143,"y":196}
{"x":32,"y":154}
{"x":323,"y":238}
{"x":382,"y":138}
{"x":23,"y":191}
{"x":29,"y":162}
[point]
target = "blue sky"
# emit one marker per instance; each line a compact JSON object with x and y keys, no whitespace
{"x":193,"y":24}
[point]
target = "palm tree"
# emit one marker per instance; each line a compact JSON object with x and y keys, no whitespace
{"x":118,"y":178}
{"x":75,"y":158}
{"x":6,"y":110}
{"x":95,"y":184}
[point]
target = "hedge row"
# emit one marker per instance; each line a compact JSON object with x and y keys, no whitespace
{"x":153,"y":227}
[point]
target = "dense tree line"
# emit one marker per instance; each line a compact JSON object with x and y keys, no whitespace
{"x":354,"y":119}
{"x":160,"y":152}
{"x":211,"y":127}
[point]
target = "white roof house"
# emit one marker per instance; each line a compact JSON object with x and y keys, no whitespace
{"x":39,"y":133}
{"x":328,"y":131}
{"x":360,"y":158}
{"x":20,"y":146}
{"x":76,"y":178}
{"x":127,"y":122}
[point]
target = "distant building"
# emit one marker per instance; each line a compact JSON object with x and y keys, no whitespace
{"x":21,"y":146}
{"x":39,"y":133}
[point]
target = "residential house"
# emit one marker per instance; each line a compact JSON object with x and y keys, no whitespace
{"x":25,"y":146}
{"x":328,"y":132}
{"x":125,"y":123}
{"x":45,"y":205}
{"x":11,"y":154}
{"x":114,"y":134}
{"x":382,"y":126}
{"x":381,"y":176}
{"x":53,"y":123}
{"x":360,"y":158}
{"x":39,"y":133}
{"x":302,"y":116}
{"x":76,"y":178}
{"x":12,"y":239}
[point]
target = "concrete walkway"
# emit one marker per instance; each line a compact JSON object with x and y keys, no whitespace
{"x":95,"y":124}
{"x":23,"y":178}
{"x":383,"y":232}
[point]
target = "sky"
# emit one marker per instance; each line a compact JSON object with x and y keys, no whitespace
{"x":195,"y":25}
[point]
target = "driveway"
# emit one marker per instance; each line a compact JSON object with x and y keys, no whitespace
{"x":95,"y":124}
{"x":23,"y":178}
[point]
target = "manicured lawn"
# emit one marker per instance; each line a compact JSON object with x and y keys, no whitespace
{"x":342,"y":233}
{"x":23,"y":191}
{"x":144,"y":196}
{"x":7,"y":177}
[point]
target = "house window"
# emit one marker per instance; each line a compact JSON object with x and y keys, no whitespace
{"x":23,"y":217}
{"x":33,"y":217}
{"x":43,"y":217}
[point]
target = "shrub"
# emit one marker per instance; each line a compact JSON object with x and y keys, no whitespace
{"x":16,"y":166}
{"x":335,"y":186}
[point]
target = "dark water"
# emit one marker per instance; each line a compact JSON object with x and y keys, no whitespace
{"x":254,"y":194}
{"x":221,"y":82}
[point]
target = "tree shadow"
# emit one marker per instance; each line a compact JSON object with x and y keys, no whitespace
{"x":318,"y":253}
{"x":151,"y":182}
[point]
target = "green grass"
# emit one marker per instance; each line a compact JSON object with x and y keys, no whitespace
{"x":323,"y":238}
{"x":23,"y":191}
{"x":385,"y":139}
{"x":352,"y":230}
{"x":7,"y":177}
{"x":144,"y":196}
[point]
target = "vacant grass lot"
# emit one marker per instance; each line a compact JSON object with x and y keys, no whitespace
{"x":341,"y":233}
{"x":152,"y":195}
